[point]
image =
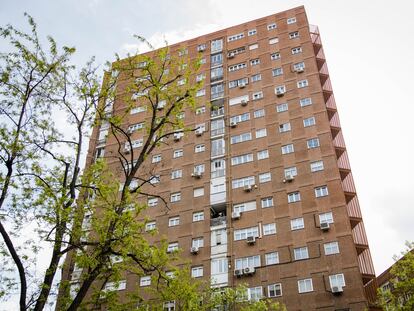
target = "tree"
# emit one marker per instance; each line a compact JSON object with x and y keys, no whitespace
{"x":400,"y":295}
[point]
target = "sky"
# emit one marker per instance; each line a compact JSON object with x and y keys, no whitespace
{"x":368,"y":46}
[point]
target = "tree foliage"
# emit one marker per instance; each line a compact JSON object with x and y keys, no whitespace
{"x":399,"y":296}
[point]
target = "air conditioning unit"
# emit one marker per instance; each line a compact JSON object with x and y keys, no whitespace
{"x":280,"y":93}
{"x":235,"y":215}
{"x":127,"y":150}
{"x":231,"y":55}
{"x":249,"y":270}
{"x":337,"y":290}
{"x":177,"y":137}
{"x":244,"y":102}
{"x":300,"y":69}
{"x":233,"y":124}
{"x":197,"y":174}
{"x":248,"y":188}
{"x":160,"y":106}
{"x":251,"y":239}
{"x":242,"y":85}
{"x":194,"y":250}
{"x":199,"y":132}
{"x":324,"y":226}
{"x":238,"y":272}
{"x":288,"y":178}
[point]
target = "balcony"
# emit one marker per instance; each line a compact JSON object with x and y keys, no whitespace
{"x":360,"y":237}
{"x":218,"y":221}
{"x":216,"y":112}
{"x":218,"y":173}
{"x":366,"y":267}
{"x":353,"y":209}
{"x":217,"y":95}
{"x":216,"y":132}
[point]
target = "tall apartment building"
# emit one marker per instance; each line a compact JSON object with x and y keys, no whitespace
{"x":263,"y":192}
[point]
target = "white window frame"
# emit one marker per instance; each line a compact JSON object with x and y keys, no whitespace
{"x":309,"y":121}
{"x":271,"y":26}
{"x":284,"y":127}
{"x":272,"y":258}
{"x":176,"y":174}
{"x":326,"y":217}
{"x":266,"y":202}
{"x":269,"y":229}
{"x":321,"y":191}
{"x":198,"y":216}
{"x":265,"y":177}
{"x":276,"y":288}
{"x":199,"y":148}
{"x":273,"y":40}
{"x":301,"y":253}
{"x":305,"y":286}
{"x":286,"y":149}
{"x":174,"y":221}
{"x":275,"y":56}
{"x":243,"y":234}
{"x":244,"y":181}
{"x":302,"y":83}
{"x":337,"y":280}
{"x":145,"y":281}
{"x":175,"y":197}
{"x":296,"y":50}
{"x":263,"y":154}
{"x":197,"y":272}
{"x":305,"y":102}
{"x":294,"y":197}
{"x":178,"y":153}
{"x":331,"y":248}
{"x":313,"y":143}
{"x":297,"y":224}
{"x":316,"y":166}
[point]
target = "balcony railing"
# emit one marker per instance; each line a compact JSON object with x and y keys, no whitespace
{"x":365,"y":263}
{"x":353,"y":208}
{"x":217,"y":112}
{"x":339,"y":140}
{"x":217,"y":95}
{"x":343,"y":161}
{"x":216,"y":132}
{"x":359,"y":234}
{"x":330,"y":103}
{"x":348,"y":184}
{"x":218,"y":221}
{"x":218,"y":173}
{"x":334,"y":121}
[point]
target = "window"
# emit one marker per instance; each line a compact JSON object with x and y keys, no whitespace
{"x":200,"y":110}
{"x":238,"y":51}
{"x":280,"y":90}
{"x":169,"y":306}
{"x":112,"y":286}
{"x":240,"y":138}
{"x":156,"y":158}
{"x":198,"y":216}
{"x":287,"y":149}
{"x":273,"y":40}
{"x":145,"y":280}
{"x":313,"y":143}
{"x":200,"y":77}
{"x":253,"y":46}
{"x":199,"y":148}
{"x":299,"y":66}
{"x":296,"y":50}
{"x":201,"y":47}
{"x":172,"y":247}
{"x":240,"y":82}
{"x":326,"y":217}
{"x":244,"y":207}
{"x":291,"y":171}
{"x":277,"y":72}
{"x":176,"y":174}
{"x":302,"y":83}
{"x":198,"y":192}
{"x":331,"y":248}
{"x":300,"y":253}
{"x":150,"y":226}
{"x":297,"y":224}
{"x":271,"y":26}
{"x":272,"y":258}
{"x":219,"y":266}
{"x":241,"y":182}
{"x":316,"y":166}
{"x":235,"y":37}
{"x":182,"y":52}
{"x":337,"y":280}
{"x":238,"y":100}
{"x":269,"y":229}
{"x":237,"y":67}
{"x":173,"y":221}
{"x":197,"y":242}
{"x":291,"y":20}
{"x":175,"y":197}
{"x":216,"y":74}
{"x":217,"y":147}
{"x":305,"y":286}
{"x":254,"y":62}
{"x":263,"y":154}
{"x":293,"y":197}
{"x":155,"y":179}
{"x":216,"y":59}
{"x":257,"y":95}
{"x":201,"y":92}
{"x":267,"y":202}
{"x":240,"y":118}
{"x":261,"y":133}
{"x":178,"y":153}
{"x":309,"y":121}
{"x":252,"y":32}
{"x":242,"y":234}
{"x":181,"y":82}
{"x":254,"y":293}
{"x":256,"y":78}
{"x":284,"y":127}
{"x":197,"y":272}
{"x":275,"y":56}
{"x":265,"y":177}
{"x":274,"y":290}
{"x":216,"y":45}
{"x":136,"y":127}
{"x":152,"y":202}
{"x":321,"y":191}
{"x":294,"y":35}
{"x":199,"y":168}
{"x":241,"y":159}
{"x":305,"y":102}
{"x":217,"y":91}
{"x":247,"y":262}
{"x":259,"y":113}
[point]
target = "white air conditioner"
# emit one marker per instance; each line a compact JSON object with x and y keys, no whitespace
{"x":238,"y":272}
{"x":280,"y":93}
{"x":249,"y":270}
{"x":337,"y":290}
{"x":194,"y":250}
{"x":233,"y":124}
{"x":197,"y":174}
{"x":300,"y":69}
{"x":127,"y":149}
{"x":177,"y":137}
{"x":325,"y":226}
{"x":244,"y":102}
{"x":288,"y":178}
{"x":242,"y":85}
{"x":231,"y":55}
{"x":248,"y":188}
{"x":201,"y":48}
{"x":235,"y":215}
{"x":199,"y":132}
{"x":251,"y":239}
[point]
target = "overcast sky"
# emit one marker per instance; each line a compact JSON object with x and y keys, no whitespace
{"x":368,"y":46}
